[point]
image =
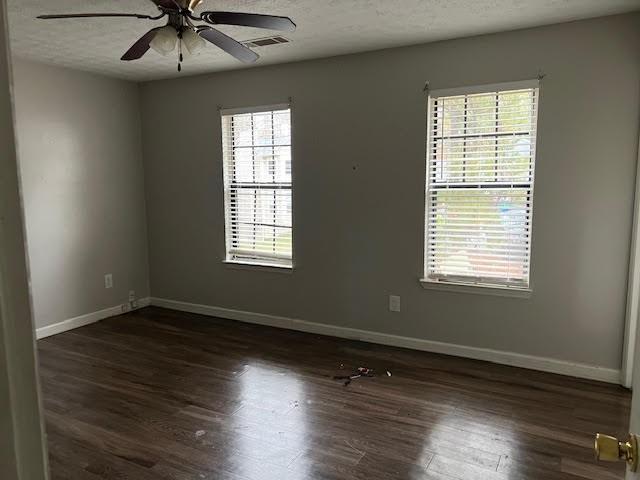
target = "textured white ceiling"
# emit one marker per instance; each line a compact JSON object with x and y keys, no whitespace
{"x":325,"y":28}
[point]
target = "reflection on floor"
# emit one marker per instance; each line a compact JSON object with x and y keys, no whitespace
{"x":158,"y":394}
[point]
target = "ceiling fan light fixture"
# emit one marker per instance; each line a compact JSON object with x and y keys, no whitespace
{"x":181,"y":30}
{"x":193,"y":42}
{"x":165,"y":40}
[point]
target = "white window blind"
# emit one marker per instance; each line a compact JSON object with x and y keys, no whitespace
{"x":257,"y":185}
{"x":480,"y":175}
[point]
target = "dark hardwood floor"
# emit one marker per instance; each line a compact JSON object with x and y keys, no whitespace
{"x":158,"y":394}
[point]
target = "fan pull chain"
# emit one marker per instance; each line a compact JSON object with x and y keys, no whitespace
{"x":180,"y":57}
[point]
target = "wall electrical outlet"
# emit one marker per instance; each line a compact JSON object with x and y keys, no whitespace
{"x":394,"y":303}
{"x":108,"y":280}
{"x":133,"y":302}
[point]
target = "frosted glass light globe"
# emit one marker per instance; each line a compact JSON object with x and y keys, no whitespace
{"x":192,"y":41}
{"x":165,"y":40}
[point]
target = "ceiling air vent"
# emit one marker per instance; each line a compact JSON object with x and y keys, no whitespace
{"x":263,"y":42}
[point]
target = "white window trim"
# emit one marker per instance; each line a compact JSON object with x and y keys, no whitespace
{"x":477,"y":288}
{"x":256,"y":109}
{"x":488,"y":87}
{"x":261,"y":264}
{"x":257,"y":266}
{"x":470,"y":286}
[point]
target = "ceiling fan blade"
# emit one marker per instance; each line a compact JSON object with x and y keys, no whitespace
{"x":95,"y":15}
{"x":177,"y":4}
{"x":168,"y":4}
{"x":228,"y":44}
{"x":249,"y":20}
{"x":141,"y":47}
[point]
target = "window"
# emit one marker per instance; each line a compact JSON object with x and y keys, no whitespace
{"x":257,"y":185}
{"x":480,"y":172}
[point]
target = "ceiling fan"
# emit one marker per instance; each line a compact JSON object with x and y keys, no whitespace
{"x":181,"y":30}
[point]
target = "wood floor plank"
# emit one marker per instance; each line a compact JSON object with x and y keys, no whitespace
{"x":174,"y":396}
{"x":589,"y":470}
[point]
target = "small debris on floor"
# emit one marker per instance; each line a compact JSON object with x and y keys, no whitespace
{"x":360,"y":372}
{"x":200,"y":433}
{"x":354,"y":448}
{"x":388,"y":373}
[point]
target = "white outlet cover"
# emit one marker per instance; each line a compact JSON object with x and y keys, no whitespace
{"x":394,"y":303}
{"x":108,"y":280}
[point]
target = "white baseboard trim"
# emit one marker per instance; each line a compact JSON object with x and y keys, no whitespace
{"x":86,"y":319}
{"x":531,"y":362}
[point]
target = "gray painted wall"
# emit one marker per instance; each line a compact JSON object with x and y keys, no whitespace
{"x":359,"y":166}
{"x":21,"y":444}
{"x":79,"y":144}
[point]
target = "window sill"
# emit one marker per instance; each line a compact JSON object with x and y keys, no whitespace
{"x":476,"y":289}
{"x":260,"y":267}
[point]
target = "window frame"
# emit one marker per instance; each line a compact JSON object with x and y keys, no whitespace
{"x":461,"y":284}
{"x":259,"y":264}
